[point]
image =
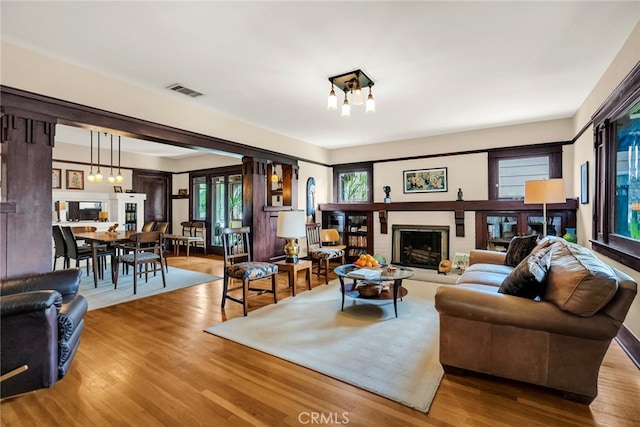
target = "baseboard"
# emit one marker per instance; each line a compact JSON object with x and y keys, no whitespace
{"x":630,"y":344}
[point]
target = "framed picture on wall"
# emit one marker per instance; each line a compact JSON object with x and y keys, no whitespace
{"x":75,"y":179}
{"x":425,"y":180}
{"x":584,"y":183}
{"x":56,"y":178}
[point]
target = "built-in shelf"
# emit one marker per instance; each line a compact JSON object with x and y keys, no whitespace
{"x":179,"y":196}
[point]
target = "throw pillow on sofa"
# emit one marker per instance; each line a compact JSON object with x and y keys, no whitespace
{"x":527,"y":280}
{"x":577,"y":281}
{"x":519,"y":248}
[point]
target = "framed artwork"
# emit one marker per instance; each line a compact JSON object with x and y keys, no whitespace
{"x":425,"y":180}
{"x":117,"y":189}
{"x":584,"y":183}
{"x":56,"y":178}
{"x":183,"y":192}
{"x":75,"y":180}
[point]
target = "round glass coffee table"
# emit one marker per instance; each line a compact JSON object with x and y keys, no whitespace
{"x":370,"y":276}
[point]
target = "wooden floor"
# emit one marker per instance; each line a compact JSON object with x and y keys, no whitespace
{"x":149,"y":363}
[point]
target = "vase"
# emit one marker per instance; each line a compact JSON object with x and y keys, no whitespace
{"x":570,"y":235}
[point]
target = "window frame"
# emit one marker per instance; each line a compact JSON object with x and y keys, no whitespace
{"x":366,"y":167}
{"x":552,"y":150}
{"x":622,"y":249}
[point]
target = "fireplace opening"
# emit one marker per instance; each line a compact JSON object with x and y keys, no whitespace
{"x":420,"y":246}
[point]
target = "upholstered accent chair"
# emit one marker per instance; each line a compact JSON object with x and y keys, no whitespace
{"x":42,"y":319}
{"x":323,"y":246}
{"x":238,"y":265}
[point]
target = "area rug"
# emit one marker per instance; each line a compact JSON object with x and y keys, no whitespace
{"x":104,"y":295}
{"x":365,"y":345}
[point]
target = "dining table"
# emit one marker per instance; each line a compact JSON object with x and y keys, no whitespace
{"x":96,"y":238}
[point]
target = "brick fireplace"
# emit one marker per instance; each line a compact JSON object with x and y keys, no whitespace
{"x":420,"y":246}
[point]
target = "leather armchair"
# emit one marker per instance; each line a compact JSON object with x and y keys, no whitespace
{"x":42,"y":320}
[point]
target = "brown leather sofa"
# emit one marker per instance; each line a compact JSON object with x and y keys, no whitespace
{"x":42,"y":320}
{"x":556,"y":340}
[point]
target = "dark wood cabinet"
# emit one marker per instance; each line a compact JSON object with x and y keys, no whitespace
{"x":495,"y":229}
{"x":355,"y":228}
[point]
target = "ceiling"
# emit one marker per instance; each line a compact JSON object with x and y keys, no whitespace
{"x":438,"y":67}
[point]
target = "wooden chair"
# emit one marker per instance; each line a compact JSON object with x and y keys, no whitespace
{"x":144,"y":249}
{"x":324,"y":254}
{"x":238,"y":265}
{"x":148,"y":226}
{"x":198,"y":229}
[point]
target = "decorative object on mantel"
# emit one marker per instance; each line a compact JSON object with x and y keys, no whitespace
{"x":460,"y":195}
{"x":425,"y":180}
{"x":353,"y":82}
{"x":387,"y":191}
{"x":444,"y":267}
{"x":117,"y":189}
{"x":570,"y":235}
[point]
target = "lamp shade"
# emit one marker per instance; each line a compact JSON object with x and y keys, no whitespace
{"x":544,"y":191}
{"x":291,"y":224}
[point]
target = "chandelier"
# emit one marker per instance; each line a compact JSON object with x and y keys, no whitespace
{"x":352,"y":82}
{"x":98,"y":176}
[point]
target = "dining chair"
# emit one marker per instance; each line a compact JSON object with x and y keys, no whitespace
{"x":60,"y":248}
{"x":144,"y":249}
{"x":238,"y":265}
{"x":84,"y":253}
{"x":198,"y":229}
{"x":148,"y":226}
{"x":323,"y":253}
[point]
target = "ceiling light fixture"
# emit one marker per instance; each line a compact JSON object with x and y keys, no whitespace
{"x":91,"y":177}
{"x":351,"y":82}
{"x":119,"y":178}
{"x":111,"y":179}
{"x":98,"y":174}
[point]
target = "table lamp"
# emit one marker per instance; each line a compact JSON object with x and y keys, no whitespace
{"x":291,"y":226}
{"x":544,"y":191}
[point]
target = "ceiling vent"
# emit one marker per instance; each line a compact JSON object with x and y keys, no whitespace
{"x":185,"y":90}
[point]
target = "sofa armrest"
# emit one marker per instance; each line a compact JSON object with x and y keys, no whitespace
{"x":66,"y":282}
{"x":22,"y":303}
{"x":483,"y":256}
{"x":501,"y":309}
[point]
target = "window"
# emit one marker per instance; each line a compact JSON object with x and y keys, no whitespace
{"x":199,"y":198}
{"x":616,"y":232}
{"x":510,"y":168}
{"x":352,"y":183}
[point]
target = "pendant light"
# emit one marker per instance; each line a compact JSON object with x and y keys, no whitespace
{"x":91,"y":177}
{"x":346,"y":109}
{"x":111,"y":179}
{"x":98,"y":173}
{"x":370,"y":106}
{"x":332,"y":102}
{"x":119,"y":178}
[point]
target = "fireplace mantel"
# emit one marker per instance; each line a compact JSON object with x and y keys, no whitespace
{"x":458,"y":207}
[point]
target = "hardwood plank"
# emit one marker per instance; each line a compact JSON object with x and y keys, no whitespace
{"x":148,"y":362}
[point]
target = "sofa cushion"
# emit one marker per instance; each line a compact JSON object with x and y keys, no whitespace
{"x":577,"y":281}
{"x":519,"y":248}
{"x":485,"y":274}
{"x":527,"y":279}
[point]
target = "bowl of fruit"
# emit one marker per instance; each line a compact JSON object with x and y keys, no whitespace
{"x":367,"y":261}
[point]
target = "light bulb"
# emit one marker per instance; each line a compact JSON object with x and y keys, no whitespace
{"x":111,"y":179}
{"x":357,"y":96}
{"x":371,"y":103}
{"x":91,"y":177}
{"x":346,"y":109}
{"x":119,"y":178}
{"x":98,"y":176}
{"x":332,"y":103}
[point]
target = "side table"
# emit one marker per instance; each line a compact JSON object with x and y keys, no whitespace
{"x":292,"y":269}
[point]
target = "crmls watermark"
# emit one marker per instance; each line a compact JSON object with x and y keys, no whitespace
{"x":319,"y":418}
